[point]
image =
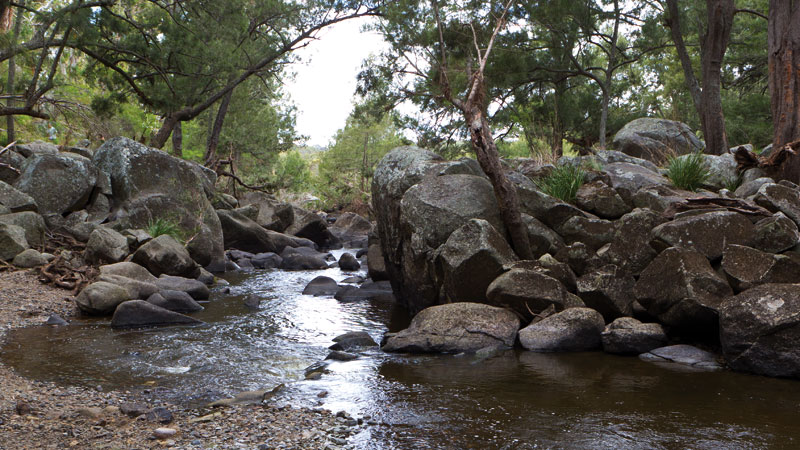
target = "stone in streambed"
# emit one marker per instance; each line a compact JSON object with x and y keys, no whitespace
{"x":574,"y":329}
{"x":321,"y":286}
{"x":139,"y":313}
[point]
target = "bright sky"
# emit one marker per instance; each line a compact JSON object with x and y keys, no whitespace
{"x":326,"y":80}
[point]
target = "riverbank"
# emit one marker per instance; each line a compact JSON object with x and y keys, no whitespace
{"x":41,"y":415}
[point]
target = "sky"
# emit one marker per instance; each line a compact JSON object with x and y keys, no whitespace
{"x":325,"y":81}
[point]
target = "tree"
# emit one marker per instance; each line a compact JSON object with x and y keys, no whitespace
{"x":783,"y":48}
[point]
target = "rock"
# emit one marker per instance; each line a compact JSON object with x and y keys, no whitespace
{"x":683,"y":354}
{"x":139,"y":313}
{"x":15,"y":200}
{"x":36,"y":148}
{"x":656,"y":139}
{"x":252,"y":302}
{"x":354,"y":279}
{"x":542,"y":238}
{"x":149,"y":184}
{"x":128,"y":270}
{"x":269,"y":213}
{"x":90,"y":413}
{"x":164,"y":433}
{"x":376,"y":266}
{"x":627,"y":335}
{"x":759,"y":330}
{"x":106,"y":246}
{"x":354,"y":340}
{"x":471,"y":258}
{"x":350,"y":225}
{"x":722,"y":170}
{"x":12,"y":241}
{"x":238,"y":255}
{"x":244,"y":234}
{"x":630,"y":247}
{"x":136,"y":237}
{"x":594,"y":233}
{"x":706,"y":233}
{"x":776,"y":234}
{"x":456,"y":327}
{"x":608,"y":291}
{"x":747,"y":267}
{"x":751,"y":187}
{"x":628,"y":179}
{"x":321,"y":286}
{"x":160,"y":415}
{"x":136,"y":289}
{"x":57,"y":183}
{"x":550,"y":210}
{"x":165,"y":255}
{"x":576,"y":256}
{"x":572,"y":330}
{"x":600,"y":199}
{"x":101,"y":298}
{"x":177,"y":301}
{"x":776,"y":197}
{"x":31,"y":222}
{"x":266,"y":260}
{"x":311,"y":226}
{"x":348,"y":262}
{"x":29,"y":258}
{"x":196,"y":289}
{"x":528,"y":291}
{"x":56,"y":320}
{"x":605,"y":157}
{"x":337,"y":355}
{"x":10,"y":166}
{"x":297,"y":261}
{"x":681,"y":289}
{"x":133,"y":409}
{"x":659,"y":197}
{"x":381,"y":291}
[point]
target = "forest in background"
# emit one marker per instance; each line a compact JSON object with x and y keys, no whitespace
{"x":203,"y":79}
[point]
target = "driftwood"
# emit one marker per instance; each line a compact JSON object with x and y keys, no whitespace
{"x":59,"y":272}
{"x":8,"y":166}
{"x":716,"y":203}
{"x":772,"y":164}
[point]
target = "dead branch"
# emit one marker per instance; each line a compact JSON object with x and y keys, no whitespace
{"x":716,"y":203}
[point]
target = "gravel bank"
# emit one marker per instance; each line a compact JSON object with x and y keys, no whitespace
{"x":38,"y":415}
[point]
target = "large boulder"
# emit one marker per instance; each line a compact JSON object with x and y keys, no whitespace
{"x":681,"y":289}
{"x":31,"y":222}
{"x":776,"y":234}
{"x":309,"y":225}
{"x":101,"y":297}
{"x":139,"y":313}
{"x":608,"y":291}
{"x":350,"y":226}
{"x":777,"y":197}
{"x":10,"y":166}
{"x":376,"y":266}
{"x":630,"y":247}
{"x":628,"y":336}
{"x":321,"y":286}
{"x":628,"y":179}
{"x":594,"y":233}
{"x":106,"y":246}
{"x":600,"y":199}
{"x":59,"y":183}
{"x":542,"y":238}
{"x":12,"y":241}
{"x":195,"y":288}
{"x":298,"y":261}
{"x":572,"y":330}
{"x":177,"y":301}
{"x":656,"y":139}
{"x":269,"y":212}
{"x":707,"y":233}
{"x":241,"y":233}
{"x":29,"y":258}
{"x":528,"y":289}
{"x":136,"y":288}
{"x":348,"y":262}
{"x":148,"y":184}
{"x":456,"y":327}
{"x":605,"y":157}
{"x":165,"y":255}
{"x":128,"y":270}
{"x":469,"y":260}
{"x":747,"y":267}
{"x":36,"y":148}
{"x":15,"y":200}
{"x":760,"y":330}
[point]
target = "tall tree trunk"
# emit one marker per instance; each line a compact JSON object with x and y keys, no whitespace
{"x":601,"y":141}
{"x":213,"y":137}
{"x":783,"y":45}
{"x":177,"y":140}
{"x":674,"y":24}
{"x":364,"y":163}
{"x":713,"y":46}
{"x":160,"y":138}
{"x":558,"y":121}
{"x":609,"y":74}
{"x":12,"y":69}
{"x":489,"y":160}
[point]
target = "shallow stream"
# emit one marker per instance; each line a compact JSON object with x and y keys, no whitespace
{"x":512,"y":400}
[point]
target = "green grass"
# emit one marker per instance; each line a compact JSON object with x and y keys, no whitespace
{"x":563,"y":182}
{"x":688,"y":172}
{"x":157,"y":227}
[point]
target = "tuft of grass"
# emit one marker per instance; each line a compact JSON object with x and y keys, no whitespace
{"x":157,"y":227}
{"x":688,"y":172}
{"x":562,"y":182}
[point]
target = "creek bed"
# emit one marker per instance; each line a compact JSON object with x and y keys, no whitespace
{"x":512,"y":400}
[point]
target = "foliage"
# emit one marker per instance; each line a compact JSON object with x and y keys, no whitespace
{"x":562,"y":182}
{"x":157,"y":227}
{"x":688,"y":172}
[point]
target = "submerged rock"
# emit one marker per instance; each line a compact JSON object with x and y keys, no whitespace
{"x":686,"y":355}
{"x":139,"y":313}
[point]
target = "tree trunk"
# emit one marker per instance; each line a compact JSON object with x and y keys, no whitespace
{"x":364,"y":164}
{"x":12,"y":69}
{"x":674,"y":24}
{"x":558,"y":121}
{"x":213,"y":137}
{"x":609,"y":72}
{"x":489,"y":159}
{"x":601,"y":142}
{"x":160,"y":138}
{"x":177,"y":140}
{"x":783,"y":46}
{"x":713,"y":46}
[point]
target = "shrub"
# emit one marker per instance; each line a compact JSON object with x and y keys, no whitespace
{"x":688,"y":172}
{"x":562,"y":182}
{"x":157,"y":227}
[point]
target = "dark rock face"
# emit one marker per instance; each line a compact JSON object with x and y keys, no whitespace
{"x":600,"y":199}
{"x":177,"y":301}
{"x":354,"y":340}
{"x":311,"y":226}
{"x":139,"y":313}
{"x":106,"y":245}
{"x":747,"y":267}
{"x":165,"y":255}
{"x":685,"y":355}
{"x":628,"y":179}
{"x":759,"y":330}
{"x":629,"y":336}
{"x":630,"y":247}
{"x":470,"y":259}
{"x":15,"y":200}
{"x":350,"y":226}
{"x":269,"y":212}
{"x":12,"y":241}
{"x":454,"y":328}
{"x":706,"y":233}
{"x":655,"y":139}
{"x":380,"y":291}
{"x":266,"y":260}
{"x":542,"y":238}
{"x":376,"y":266}
{"x":777,"y":197}
{"x":32,"y":224}
{"x":572,"y":330}
{"x":321,"y":286}
{"x":681,"y":289}
{"x":147,"y":184}
{"x":58,"y":183}
{"x":241,"y":233}
{"x":195,"y":288}
{"x":297,"y":261}
{"x":528,"y":290}
{"x":594,"y":233}
{"x":776,"y":234}
{"x":11,"y":166}
{"x":348,"y":262}
{"x":607,"y":290}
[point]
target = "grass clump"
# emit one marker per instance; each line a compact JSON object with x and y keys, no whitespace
{"x":563,"y":182}
{"x":688,"y":172}
{"x":157,"y":227}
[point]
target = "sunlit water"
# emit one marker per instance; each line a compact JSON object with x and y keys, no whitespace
{"x":513,"y":400}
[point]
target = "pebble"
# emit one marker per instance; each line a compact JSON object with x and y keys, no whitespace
{"x":164,"y":433}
